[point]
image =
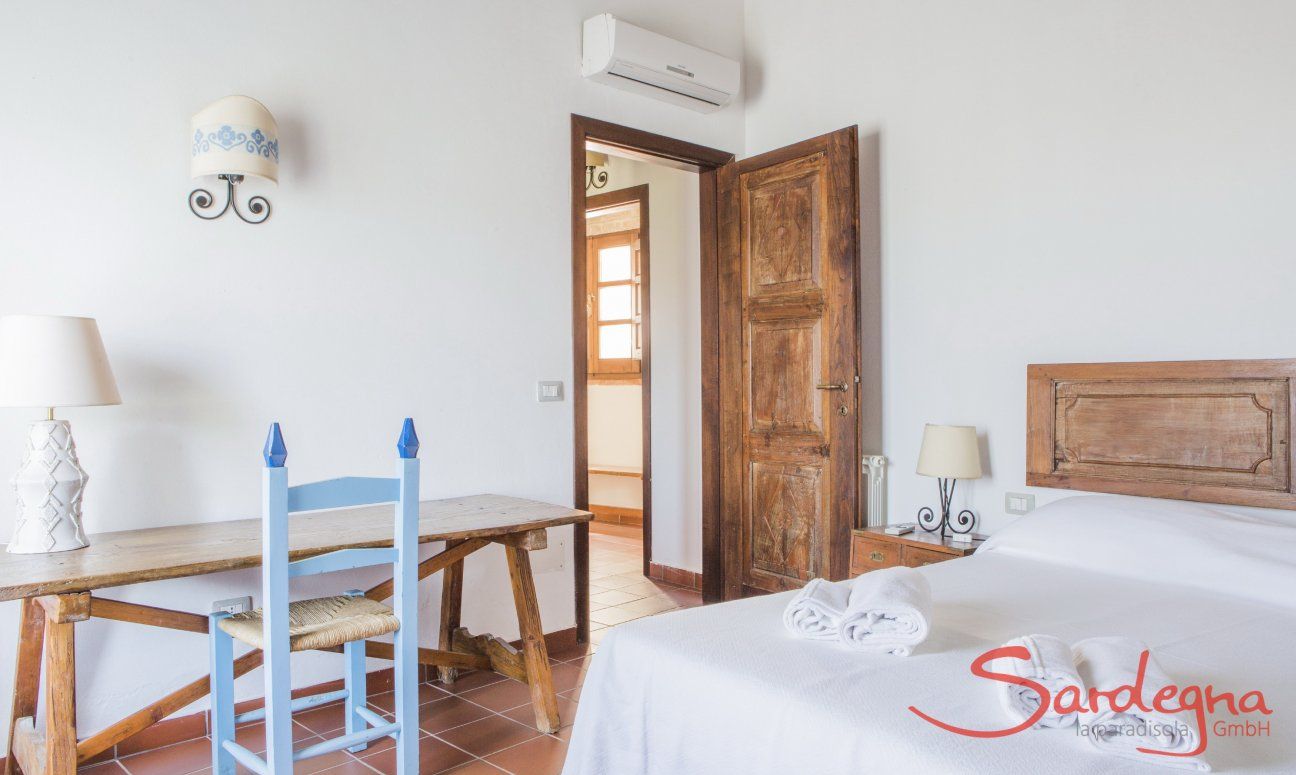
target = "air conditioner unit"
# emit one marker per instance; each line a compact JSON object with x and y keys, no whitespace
{"x":629,"y":57}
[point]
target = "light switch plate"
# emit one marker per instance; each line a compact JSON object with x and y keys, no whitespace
{"x":549,"y":390}
{"x":234,"y":605}
{"x":1018,"y":502}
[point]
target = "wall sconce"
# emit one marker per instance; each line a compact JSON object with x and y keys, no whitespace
{"x":233,"y":137}
{"x":594,"y":179}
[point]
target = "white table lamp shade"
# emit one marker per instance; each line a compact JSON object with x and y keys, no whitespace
{"x":49,"y":361}
{"x":950,"y":452}
{"x":235,"y":135}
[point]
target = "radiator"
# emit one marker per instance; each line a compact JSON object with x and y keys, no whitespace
{"x":875,"y":474}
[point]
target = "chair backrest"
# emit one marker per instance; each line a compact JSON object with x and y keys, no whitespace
{"x":279,"y":501}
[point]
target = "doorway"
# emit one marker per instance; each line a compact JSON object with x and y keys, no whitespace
{"x":629,"y":146}
{"x":618,"y":230}
{"x":778,"y":282}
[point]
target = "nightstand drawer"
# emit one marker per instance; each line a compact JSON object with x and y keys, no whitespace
{"x":916,"y":558}
{"x":867,"y":555}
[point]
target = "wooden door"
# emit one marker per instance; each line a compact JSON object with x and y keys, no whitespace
{"x":789,"y":361}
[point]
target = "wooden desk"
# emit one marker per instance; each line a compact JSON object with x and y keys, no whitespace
{"x":58,"y":590}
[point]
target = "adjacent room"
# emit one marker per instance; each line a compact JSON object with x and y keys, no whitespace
{"x":643,"y":386}
{"x":647,"y":388}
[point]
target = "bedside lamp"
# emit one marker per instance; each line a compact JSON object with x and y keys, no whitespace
{"x":949,"y":453}
{"x":49,"y":361}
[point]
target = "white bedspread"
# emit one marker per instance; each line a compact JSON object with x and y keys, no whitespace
{"x":726,"y":689}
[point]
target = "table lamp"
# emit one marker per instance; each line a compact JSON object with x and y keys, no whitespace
{"x":49,"y":361}
{"x":949,"y":453}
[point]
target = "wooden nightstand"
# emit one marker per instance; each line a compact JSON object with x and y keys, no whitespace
{"x":872,"y":549}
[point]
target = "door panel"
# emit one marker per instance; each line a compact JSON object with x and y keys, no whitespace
{"x":784,"y":537}
{"x":784,"y":364}
{"x":789,"y":355}
{"x":782,"y":207}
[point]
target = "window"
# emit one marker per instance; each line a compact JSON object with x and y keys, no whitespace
{"x":614,"y":306}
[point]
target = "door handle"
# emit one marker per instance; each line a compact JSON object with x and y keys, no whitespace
{"x":831,"y":386}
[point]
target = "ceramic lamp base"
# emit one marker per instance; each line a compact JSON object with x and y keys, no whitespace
{"x":49,"y":486}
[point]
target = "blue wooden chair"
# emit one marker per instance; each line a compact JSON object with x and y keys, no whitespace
{"x":281,"y":627}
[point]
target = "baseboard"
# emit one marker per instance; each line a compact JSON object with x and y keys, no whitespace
{"x":677,"y":577}
{"x":617,"y":515}
{"x":179,"y":729}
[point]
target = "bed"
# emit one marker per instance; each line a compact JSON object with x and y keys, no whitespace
{"x":726,"y":689}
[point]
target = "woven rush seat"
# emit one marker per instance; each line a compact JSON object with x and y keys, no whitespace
{"x":319,"y":623}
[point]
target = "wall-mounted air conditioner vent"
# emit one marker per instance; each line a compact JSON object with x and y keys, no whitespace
{"x":620,"y":54}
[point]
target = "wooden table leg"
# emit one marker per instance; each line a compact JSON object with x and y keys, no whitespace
{"x":582,"y":573}
{"x":60,"y":699}
{"x":451,"y":610}
{"x":27,"y":672}
{"x":534,"y":654}
{"x":62,"y":612}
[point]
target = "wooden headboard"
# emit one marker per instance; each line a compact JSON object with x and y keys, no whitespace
{"x":1213,"y":431}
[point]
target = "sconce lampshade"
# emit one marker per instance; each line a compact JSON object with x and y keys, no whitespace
{"x":596,"y":159}
{"x":50,"y":360}
{"x":235,"y":135}
{"x":949,"y":452}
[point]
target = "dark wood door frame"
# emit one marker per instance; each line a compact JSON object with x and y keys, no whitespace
{"x":638,"y":194}
{"x":706,"y":161}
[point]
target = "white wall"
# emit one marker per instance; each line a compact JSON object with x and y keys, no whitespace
{"x":1059,"y":182}
{"x":384,"y":285}
{"x":675,"y":341}
{"x":616,"y":439}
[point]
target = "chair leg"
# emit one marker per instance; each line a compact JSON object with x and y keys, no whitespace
{"x":357,"y":690}
{"x":278,"y":720}
{"x":222,"y":697}
{"x":405,"y":668}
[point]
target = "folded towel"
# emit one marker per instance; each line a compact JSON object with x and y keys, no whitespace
{"x":1108,"y":663}
{"x":816,"y":611}
{"x":1052,"y":666}
{"x":888,"y":611}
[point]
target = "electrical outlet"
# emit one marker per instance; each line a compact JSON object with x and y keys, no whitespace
{"x":235,"y":605}
{"x":549,"y":390}
{"x":1018,"y":502}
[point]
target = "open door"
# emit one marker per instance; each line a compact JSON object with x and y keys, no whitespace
{"x":788,"y":258}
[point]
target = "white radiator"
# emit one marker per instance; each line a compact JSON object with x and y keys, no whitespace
{"x":875,"y":474}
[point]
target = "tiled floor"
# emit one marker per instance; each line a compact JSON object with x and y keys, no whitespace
{"x":619,"y":592}
{"x":484,"y":723}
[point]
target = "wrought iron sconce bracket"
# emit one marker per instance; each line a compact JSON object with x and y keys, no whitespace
{"x":201,"y":201}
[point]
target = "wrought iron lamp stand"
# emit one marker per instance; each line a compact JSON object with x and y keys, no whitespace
{"x":928,"y":520}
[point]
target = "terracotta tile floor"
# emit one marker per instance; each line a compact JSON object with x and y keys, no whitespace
{"x":484,"y":723}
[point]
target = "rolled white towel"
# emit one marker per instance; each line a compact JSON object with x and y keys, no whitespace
{"x":1051,"y":665}
{"x":888,"y":611}
{"x":816,"y":611}
{"x":1108,"y":663}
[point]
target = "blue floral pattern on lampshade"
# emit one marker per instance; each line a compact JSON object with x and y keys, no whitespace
{"x":228,"y":138}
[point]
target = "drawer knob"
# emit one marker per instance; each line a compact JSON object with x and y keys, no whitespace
{"x":876,"y":556}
